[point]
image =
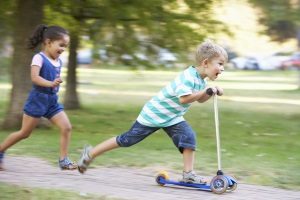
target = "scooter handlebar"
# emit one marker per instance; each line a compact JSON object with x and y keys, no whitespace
{"x":210,"y":92}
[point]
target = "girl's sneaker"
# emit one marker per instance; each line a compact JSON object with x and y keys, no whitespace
{"x":85,"y":159}
{"x":1,"y":160}
{"x":67,"y":164}
{"x":191,"y":177}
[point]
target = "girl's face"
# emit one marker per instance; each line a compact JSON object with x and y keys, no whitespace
{"x":55,"y":48}
{"x":214,"y":67}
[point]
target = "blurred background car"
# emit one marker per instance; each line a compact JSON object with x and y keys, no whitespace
{"x":259,"y":62}
{"x":292,"y":62}
{"x":84,"y":56}
{"x":245,"y":63}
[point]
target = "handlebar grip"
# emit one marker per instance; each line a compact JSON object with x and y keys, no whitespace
{"x":210,"y":92}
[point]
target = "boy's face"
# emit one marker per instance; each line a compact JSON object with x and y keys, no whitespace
{"x":214,"y":67}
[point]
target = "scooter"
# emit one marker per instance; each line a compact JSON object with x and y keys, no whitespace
{"x":220,"y":183}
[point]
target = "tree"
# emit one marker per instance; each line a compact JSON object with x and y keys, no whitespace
{"x":127,"y":27}
{"x":27,"y":15}
{"x":6,"y":6}
{"x":281,"y":18}
{"x":120,"y":25}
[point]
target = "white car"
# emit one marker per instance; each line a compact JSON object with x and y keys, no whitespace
{"x":271,"y":62}
{"x":244,"y":63}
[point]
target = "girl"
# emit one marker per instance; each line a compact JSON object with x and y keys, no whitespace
{"x":43,"y":100}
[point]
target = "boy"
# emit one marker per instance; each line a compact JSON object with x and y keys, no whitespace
{"x":166,"y":111}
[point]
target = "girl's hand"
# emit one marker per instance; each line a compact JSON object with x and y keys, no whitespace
{"x":56,"y":82}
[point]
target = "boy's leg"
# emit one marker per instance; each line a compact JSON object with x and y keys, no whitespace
{"x":188,"y":160}
{"x":137,"y":133}
{"x":184,"y":139}
{"x":62,"y":121}
{"x":89,"y":153}
{"x":107,"y":145}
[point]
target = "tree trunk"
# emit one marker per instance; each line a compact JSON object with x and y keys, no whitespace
{"x":28,"y":14}
{"x":298,"y":39}
{"x":71,"y":100}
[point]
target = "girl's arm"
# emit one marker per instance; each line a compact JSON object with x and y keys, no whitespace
{"x":38,"y":80}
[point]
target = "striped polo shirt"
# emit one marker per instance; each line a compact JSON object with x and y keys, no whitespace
{"x":164,"y":109}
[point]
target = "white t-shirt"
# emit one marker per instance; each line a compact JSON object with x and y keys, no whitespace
{"x":38,"y":60}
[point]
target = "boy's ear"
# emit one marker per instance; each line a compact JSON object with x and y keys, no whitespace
{"x":205,"y":62}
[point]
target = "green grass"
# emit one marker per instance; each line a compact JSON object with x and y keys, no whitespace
{"x":260,"y":140}
{"x":26,"y":193}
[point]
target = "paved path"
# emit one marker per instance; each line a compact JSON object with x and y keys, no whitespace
{"x":122,"y":183}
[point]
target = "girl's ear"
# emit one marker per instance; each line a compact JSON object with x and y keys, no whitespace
{"x":47,"y":41}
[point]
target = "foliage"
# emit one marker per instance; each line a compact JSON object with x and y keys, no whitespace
{"x":280,"y":16}
{"x":6,"y":18}
{"x":129,"y":27}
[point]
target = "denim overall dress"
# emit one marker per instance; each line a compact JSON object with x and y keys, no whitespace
{"x":43,"y":101}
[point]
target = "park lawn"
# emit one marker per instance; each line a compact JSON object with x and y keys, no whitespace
{"x":260,"y":140}
{"x":24,"y":193}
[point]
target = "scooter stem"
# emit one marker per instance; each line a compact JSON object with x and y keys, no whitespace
{"x":217,"y":134}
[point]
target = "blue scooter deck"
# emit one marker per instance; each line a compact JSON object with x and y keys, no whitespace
{"x":218,"y":185}
{"x":163,"y":181}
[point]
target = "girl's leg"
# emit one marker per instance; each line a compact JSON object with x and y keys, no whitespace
{"x":62,"y":121}
{"x":188,"y":160}
{"x":28,"y":124}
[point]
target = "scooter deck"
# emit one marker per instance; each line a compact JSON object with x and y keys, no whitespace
{"x":219,"y":184}
{"x":163,"y":181}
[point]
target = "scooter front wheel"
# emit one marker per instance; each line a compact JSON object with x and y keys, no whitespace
{"x":219,"y":184}
{"x":232,"y":187}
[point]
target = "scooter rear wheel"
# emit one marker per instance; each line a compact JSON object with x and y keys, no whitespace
{"x":219,"y":184}
{"x":162,"y":175}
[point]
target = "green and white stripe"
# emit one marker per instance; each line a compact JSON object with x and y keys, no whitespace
{"x":165,"y":109}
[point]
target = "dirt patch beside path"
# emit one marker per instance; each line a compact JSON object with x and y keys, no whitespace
{"x":123,"y":183}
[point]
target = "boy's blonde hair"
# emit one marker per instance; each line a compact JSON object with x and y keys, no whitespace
{"x":209,"y":50}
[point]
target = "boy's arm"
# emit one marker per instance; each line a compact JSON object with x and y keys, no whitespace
{"x":190,"y":98}
{"x":200,"y":96}
{"x":213,"y":90}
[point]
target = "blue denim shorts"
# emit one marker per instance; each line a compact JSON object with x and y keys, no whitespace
{"x":40,"y":104}
{"x":182,"y":135}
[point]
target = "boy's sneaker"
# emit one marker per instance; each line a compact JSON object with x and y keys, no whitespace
{"x":191,"y":177}
{"x":67,"y":164}
{"x":85,"y":159}
{"x":1,"y":160}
